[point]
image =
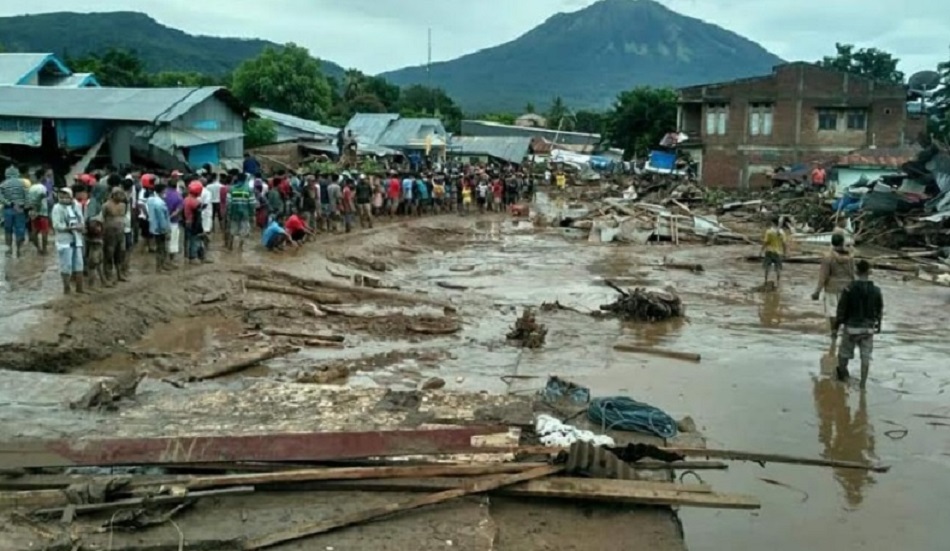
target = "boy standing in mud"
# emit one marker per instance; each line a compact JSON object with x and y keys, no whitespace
{"x":860,"y":309}
{"x":774,"y":249}
{"x":835,"y":274}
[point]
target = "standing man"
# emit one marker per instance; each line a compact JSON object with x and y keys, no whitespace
{"x":860,"y":311}
{"x":113,"y":219}
{"x":68,"y":224}
{"x":818,"y":176}
{"x":214,"y":194}
{"x":364,"y":201}
{"x":835,"y":274}
{"x":13,"y":201}
{"x":251,"y":165}
{"x":774,"y":249}
{"x":39,"y":214}
{"x":241,"y":206}
{"x":159,"y":226}
{"x":334,"y":201}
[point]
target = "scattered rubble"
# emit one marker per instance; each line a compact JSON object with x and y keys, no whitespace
{"x":527,"y":331}
{"x":645,"y":305}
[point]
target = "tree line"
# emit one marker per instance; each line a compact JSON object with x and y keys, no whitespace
{"x":289,"y":80}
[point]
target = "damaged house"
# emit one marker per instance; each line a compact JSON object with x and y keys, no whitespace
{"x":173,"y":128}
{"x":41,"y":70}
{"x":740,"y":131}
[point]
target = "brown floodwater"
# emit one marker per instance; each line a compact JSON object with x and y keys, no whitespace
{"x":759,"y":386}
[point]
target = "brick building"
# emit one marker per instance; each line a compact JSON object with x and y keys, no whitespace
{"x":741,"y":130}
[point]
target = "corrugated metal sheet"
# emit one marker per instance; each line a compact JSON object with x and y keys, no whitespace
{"x":178,"y":137}
{"x":511,"y":149}
{"x":291,"y":121}
{"x":367,"y":149}
{"x":122,"y":104}
{"x":413,"y":133}
{"x":488,"y":128}
{"x":15,"y":67}
{"x":368,"y":128}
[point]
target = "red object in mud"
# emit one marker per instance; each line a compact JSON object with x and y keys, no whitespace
{"x":317,"y":446}
{"x":195,"y":188}
{"x":519,"y":210}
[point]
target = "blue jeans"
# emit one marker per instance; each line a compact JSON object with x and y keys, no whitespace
{"x":194,"y":245}
{"x":14,"y":223}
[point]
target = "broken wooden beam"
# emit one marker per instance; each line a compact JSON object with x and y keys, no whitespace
{"x":359,"y":473}
{"x":574,"y":488}
{"x":240,"y":362}
{"x":275,"y":332}
{"x":631,"y":492}
{"x":302,"y":447}
{"x":314,"y":296}
{"x":776,"y":458}
{"x":141,"y":501}
{"x":685,"y":356}
{"x":359,"y":517}
{"x":695,"y":268}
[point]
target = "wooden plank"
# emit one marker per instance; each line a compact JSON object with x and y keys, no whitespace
{"x":359,"y":473}
{"x":625,"y":491}
{"x":321,"y":527}
{"x":140,"y":501}
{"x":303,"y":447}
{"x":777,"y":458}
{"x":685,"y":356}
{"x":239,"y":363}
{"x":539,"y":488}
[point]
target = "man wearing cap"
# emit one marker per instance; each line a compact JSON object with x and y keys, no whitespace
{"x":13,"y":202}
{"x":68,"y":223}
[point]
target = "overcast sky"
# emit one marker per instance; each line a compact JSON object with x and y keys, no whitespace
{"x":378,"y":35}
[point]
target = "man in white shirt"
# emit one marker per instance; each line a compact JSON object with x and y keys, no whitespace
{"x":214,"y":192}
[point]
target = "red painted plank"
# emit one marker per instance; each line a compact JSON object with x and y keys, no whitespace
{"x":318,"y":446}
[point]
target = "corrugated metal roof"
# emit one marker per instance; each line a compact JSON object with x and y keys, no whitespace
{"x":368,"y":128}
{"x":168,"y":138}
{"x":296,"y":122}
{"x":121,"y":104}
{"x":14,"y":67}
{"x":413,"y":133}
{"x":511,"y":149}
{"x":885,"y":157}
{"x":367,"y":149}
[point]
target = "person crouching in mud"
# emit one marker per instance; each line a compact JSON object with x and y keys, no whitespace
{"x":275,"y":237}
{"x":860,"y":310}
{"x":835,"y":274}
{"x":68,"y":226}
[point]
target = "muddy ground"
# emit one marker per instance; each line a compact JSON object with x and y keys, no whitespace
{"x":457,"y":283}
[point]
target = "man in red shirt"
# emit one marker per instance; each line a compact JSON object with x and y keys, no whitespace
{"x":393,"y":193}
{"x":194,"y":243}
{"x":297,"y":228}
{"x":818,"y":176}
{"x":348,"y":205}
{"x":497,"y":191}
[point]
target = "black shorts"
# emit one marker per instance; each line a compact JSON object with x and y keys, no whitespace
{"x":298,"y":235}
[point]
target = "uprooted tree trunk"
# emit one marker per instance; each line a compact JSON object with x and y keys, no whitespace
{"x":527,"y":331}
{"x":644,"y":305}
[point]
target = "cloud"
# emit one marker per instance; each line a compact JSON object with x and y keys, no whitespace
{"x":379,"y":35}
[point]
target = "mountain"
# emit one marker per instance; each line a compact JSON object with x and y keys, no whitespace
{"x":161,"y":48}
{"x":589,"y":56}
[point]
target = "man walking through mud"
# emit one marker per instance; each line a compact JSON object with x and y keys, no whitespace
{"x":835,"y":274}
{"x":774,"y":249}
{"x":13,"y":203}
{"x":860,"y":310}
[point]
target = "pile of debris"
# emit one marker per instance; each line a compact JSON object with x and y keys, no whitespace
{"x":645,"y":305}
{"x":527,"y":332}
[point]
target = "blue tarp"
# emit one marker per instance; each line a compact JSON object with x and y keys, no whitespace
{"x":662,"y":160}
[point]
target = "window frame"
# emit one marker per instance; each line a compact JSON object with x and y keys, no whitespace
{"x":761,"y":118}
{"x":857,"y":113}
{"x":718,"y":115}
{"x":822,"y":116}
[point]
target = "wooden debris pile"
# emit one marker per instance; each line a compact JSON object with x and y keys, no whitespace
{"x":527,"y":331}
{"x":645,"y":305}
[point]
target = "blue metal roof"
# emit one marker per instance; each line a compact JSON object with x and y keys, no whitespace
{"x":297,"y":123}
{"x":508,"y":148}
{"x":368,"y":128}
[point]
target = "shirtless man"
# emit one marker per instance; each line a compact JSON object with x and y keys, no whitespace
{"x":113,"y":218}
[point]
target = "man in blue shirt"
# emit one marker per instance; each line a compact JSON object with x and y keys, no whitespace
{"x":275,"y":236}
{"x":251,"y":165}
{"x":422,"y":192}
{"x":408,"y":183}
{"x":159,"y":225}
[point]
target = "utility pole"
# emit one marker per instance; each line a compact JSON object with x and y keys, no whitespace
{"x":429,"y":74}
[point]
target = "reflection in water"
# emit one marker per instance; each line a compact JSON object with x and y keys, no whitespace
{"x":770,"y":313}
{"x":844,"y":437}
{"x":654,"y":334}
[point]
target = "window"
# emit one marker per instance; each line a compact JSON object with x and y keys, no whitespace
{"x":827,"y":120}
{"x":716,"y":115}
{"x":857,"y":120}
{"x":760,"y":119}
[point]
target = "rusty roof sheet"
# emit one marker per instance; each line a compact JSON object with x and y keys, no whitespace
{"x":885,"y":157}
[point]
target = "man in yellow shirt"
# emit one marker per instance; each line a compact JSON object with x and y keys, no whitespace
{"x":774,"y":248}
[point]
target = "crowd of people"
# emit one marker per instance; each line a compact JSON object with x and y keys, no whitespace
{"x":99,"y":218}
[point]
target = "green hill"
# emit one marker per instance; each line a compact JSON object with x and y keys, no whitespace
{"x":589,"y":56}
{"x":161,"y":48}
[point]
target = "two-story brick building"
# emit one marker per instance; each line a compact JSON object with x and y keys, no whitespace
{"x":741,"y":130}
